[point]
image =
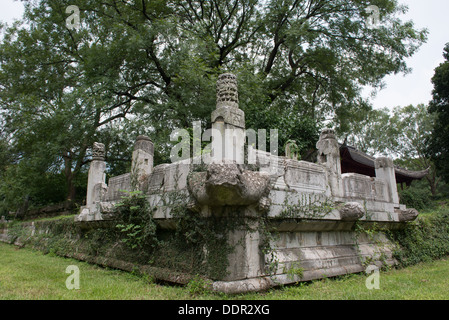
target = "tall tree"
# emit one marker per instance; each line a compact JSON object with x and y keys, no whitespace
{"x":439,"y":144}
{"x":153,"y":64}
{"x":403,"y":134}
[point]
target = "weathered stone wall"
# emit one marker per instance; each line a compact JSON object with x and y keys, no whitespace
{"x":116,"y":185}
{"x":357,"y":186}
{"x":328,"y":253}
{"x":101,"y":244}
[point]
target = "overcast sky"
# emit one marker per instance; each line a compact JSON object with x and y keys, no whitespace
{"x":400,"y":90}
{"x":416,"y":87}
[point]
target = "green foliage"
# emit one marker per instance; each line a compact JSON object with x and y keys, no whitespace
{"x":439,"y":106}
{"x":374,"y":234}
{"x":135,"y":221}
{"x":294,"y":149}
{"x":206,"y":240}
{"x":402,"y":133}
{"x":197,"y":245}
{"x":295,"y":271}
{"x":416,"y":198}
{"x":133,"y":234}
{"x":199,"y":286}
{"x":306,"y":206}
{"x":21,"y":184}
{"x":268,"y":237}
{"x":423,"y":240}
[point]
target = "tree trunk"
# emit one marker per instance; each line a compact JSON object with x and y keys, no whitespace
{"x":71,"y":192}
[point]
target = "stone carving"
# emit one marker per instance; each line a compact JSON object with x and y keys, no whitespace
{"x":327,"y":144}
{"x":264,"y":204}
{"x":98,"y":151}
{"x":228,"y":185}
{"x":116,"y":185}
{"x":384,"y":169}
{"x":233,"y":116}
{"x":351,"y":211}
{"x":142,"y":160}
{"x":407,"y":214}
{"x":329,"y":156}
{"x":227,"y":94}
{"x":196,"y":183}
{"x":144,"y":143}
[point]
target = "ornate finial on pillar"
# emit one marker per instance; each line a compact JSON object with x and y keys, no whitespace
{"x":227,"y":93}
{"x":143,"y":155}
{"x":327,"y":146}
{"x":227,"y":110}
{"x":98,"y":151}
{"x":96,"y":180}
{"x":144,"y":143}
{"x":228,"y":122}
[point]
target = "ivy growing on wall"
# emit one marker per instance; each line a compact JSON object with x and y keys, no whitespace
{"x":306,"y":206}
{"x":195,"y":244}
{"x":135,"y":221}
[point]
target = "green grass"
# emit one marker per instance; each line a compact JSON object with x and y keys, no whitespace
{"x":28,"y":274}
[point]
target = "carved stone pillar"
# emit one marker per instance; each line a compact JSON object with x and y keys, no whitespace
{"x":385,"y":170}
{"x":142,"y":158}
{"x":96,"y":174}
{"x":329,"y":156}
{"x":228,"y":122}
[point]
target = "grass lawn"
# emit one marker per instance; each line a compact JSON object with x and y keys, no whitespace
{"x":28,"y":274}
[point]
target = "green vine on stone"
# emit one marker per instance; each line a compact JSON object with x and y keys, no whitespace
{"x":307,"y":206}
{"x":135,"y":221}
{"x":295,"y":271}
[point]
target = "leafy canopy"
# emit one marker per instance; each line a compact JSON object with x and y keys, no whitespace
{"x":439,"y":144}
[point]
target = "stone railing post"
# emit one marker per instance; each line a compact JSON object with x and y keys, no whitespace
{"x":142,"y":157}
{"x":329,"y":156}
{"x":96,"y":174}
{"x":384,"y":168}
{"x":228,"y":122}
